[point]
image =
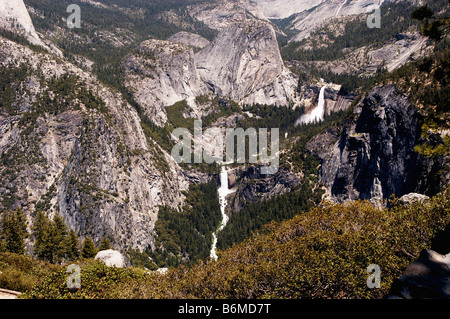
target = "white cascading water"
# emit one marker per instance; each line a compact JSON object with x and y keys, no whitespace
{"x":318,"y":113}
{"x":223,"y":193}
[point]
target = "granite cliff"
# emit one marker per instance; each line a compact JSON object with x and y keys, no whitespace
{"x":374,"y":157}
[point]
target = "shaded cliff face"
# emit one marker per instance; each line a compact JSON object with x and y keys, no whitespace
{"x":252,"y":187}
{"x":374,"y":157}
{"x":428,"y":276}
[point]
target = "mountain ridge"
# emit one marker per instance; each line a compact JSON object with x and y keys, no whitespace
{"x":88,"y":134}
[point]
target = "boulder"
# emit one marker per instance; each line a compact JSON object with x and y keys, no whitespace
{"x":428,"y":277}
{"x":111,"y":258}
{"x":162,"y":271}
{"x":231,"y":180}
{"x":413,"y":197}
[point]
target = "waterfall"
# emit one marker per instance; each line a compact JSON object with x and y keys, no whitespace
{"x":318,"y":113}
{"x":223,"y":193}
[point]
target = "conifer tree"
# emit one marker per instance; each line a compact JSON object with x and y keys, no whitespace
{"x":14,"y":231}
{"x":433,"y":27}
{"x":59,"y":230}
{"x":89,"y":250}
{"x":50,"y":238}
{"x":104,"y":244}
{"x":71,"y":245}
{"x":42,"y":232}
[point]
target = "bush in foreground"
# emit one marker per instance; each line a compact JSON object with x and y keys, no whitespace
{"x":21,"y":273}
{"x":323,"y":253}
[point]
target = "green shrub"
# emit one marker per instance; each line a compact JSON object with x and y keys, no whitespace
{"x":323,"y":253}
{"x":21,"y":273}
{"x":97,"y":281}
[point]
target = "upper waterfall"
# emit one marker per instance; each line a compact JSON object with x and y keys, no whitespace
{"x":318,"y":113}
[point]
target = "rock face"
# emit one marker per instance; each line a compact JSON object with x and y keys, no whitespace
{"x":429,"y":276}
{"x":222,"y":14}
{"x":307,"y":20}
{"x":335,"y":99}
{"x":111,"y":258}
{"x":72,"y":145}
{"x":161,"y":73}
{"x":280,"y":9}
{"x":412,"y":197}
{"x":367,"y":60}
{"x":374,"y":156}
{"x":244,"y":64}
{"x":87,"y":159}
{"x":188,"y":38}
{"x":14,"y":15}
{"x":254,"y":187}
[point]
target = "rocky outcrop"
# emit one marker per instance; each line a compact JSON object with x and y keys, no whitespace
{"x":374,"y":156}
{"x":321,"y":145}
{"x":254,"y":187}
{"x":337,"y":100}
{"x":111,"y":258}
{"x":412,"y":197}
{"x":244,"y":64}
{"x":429,"y":276}
{"x":280,"y":9}
{"x":8,"y":294}
{"x":15,"y":17}
{"x":368,"y":60}
{"x":221,"y":14}
{"x":82,"y":155}
{"x":306,"y":21}
{"x":188,"y":38}
{"x":161,"y":73}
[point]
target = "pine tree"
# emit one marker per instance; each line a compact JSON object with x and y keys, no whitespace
{"x":42,"y":232}
{"x":89,"y":250}
{"x":71,"y":245}
{"x":59,"y":231}
{"x":14,"y":231}
{"x":104,"y":244}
